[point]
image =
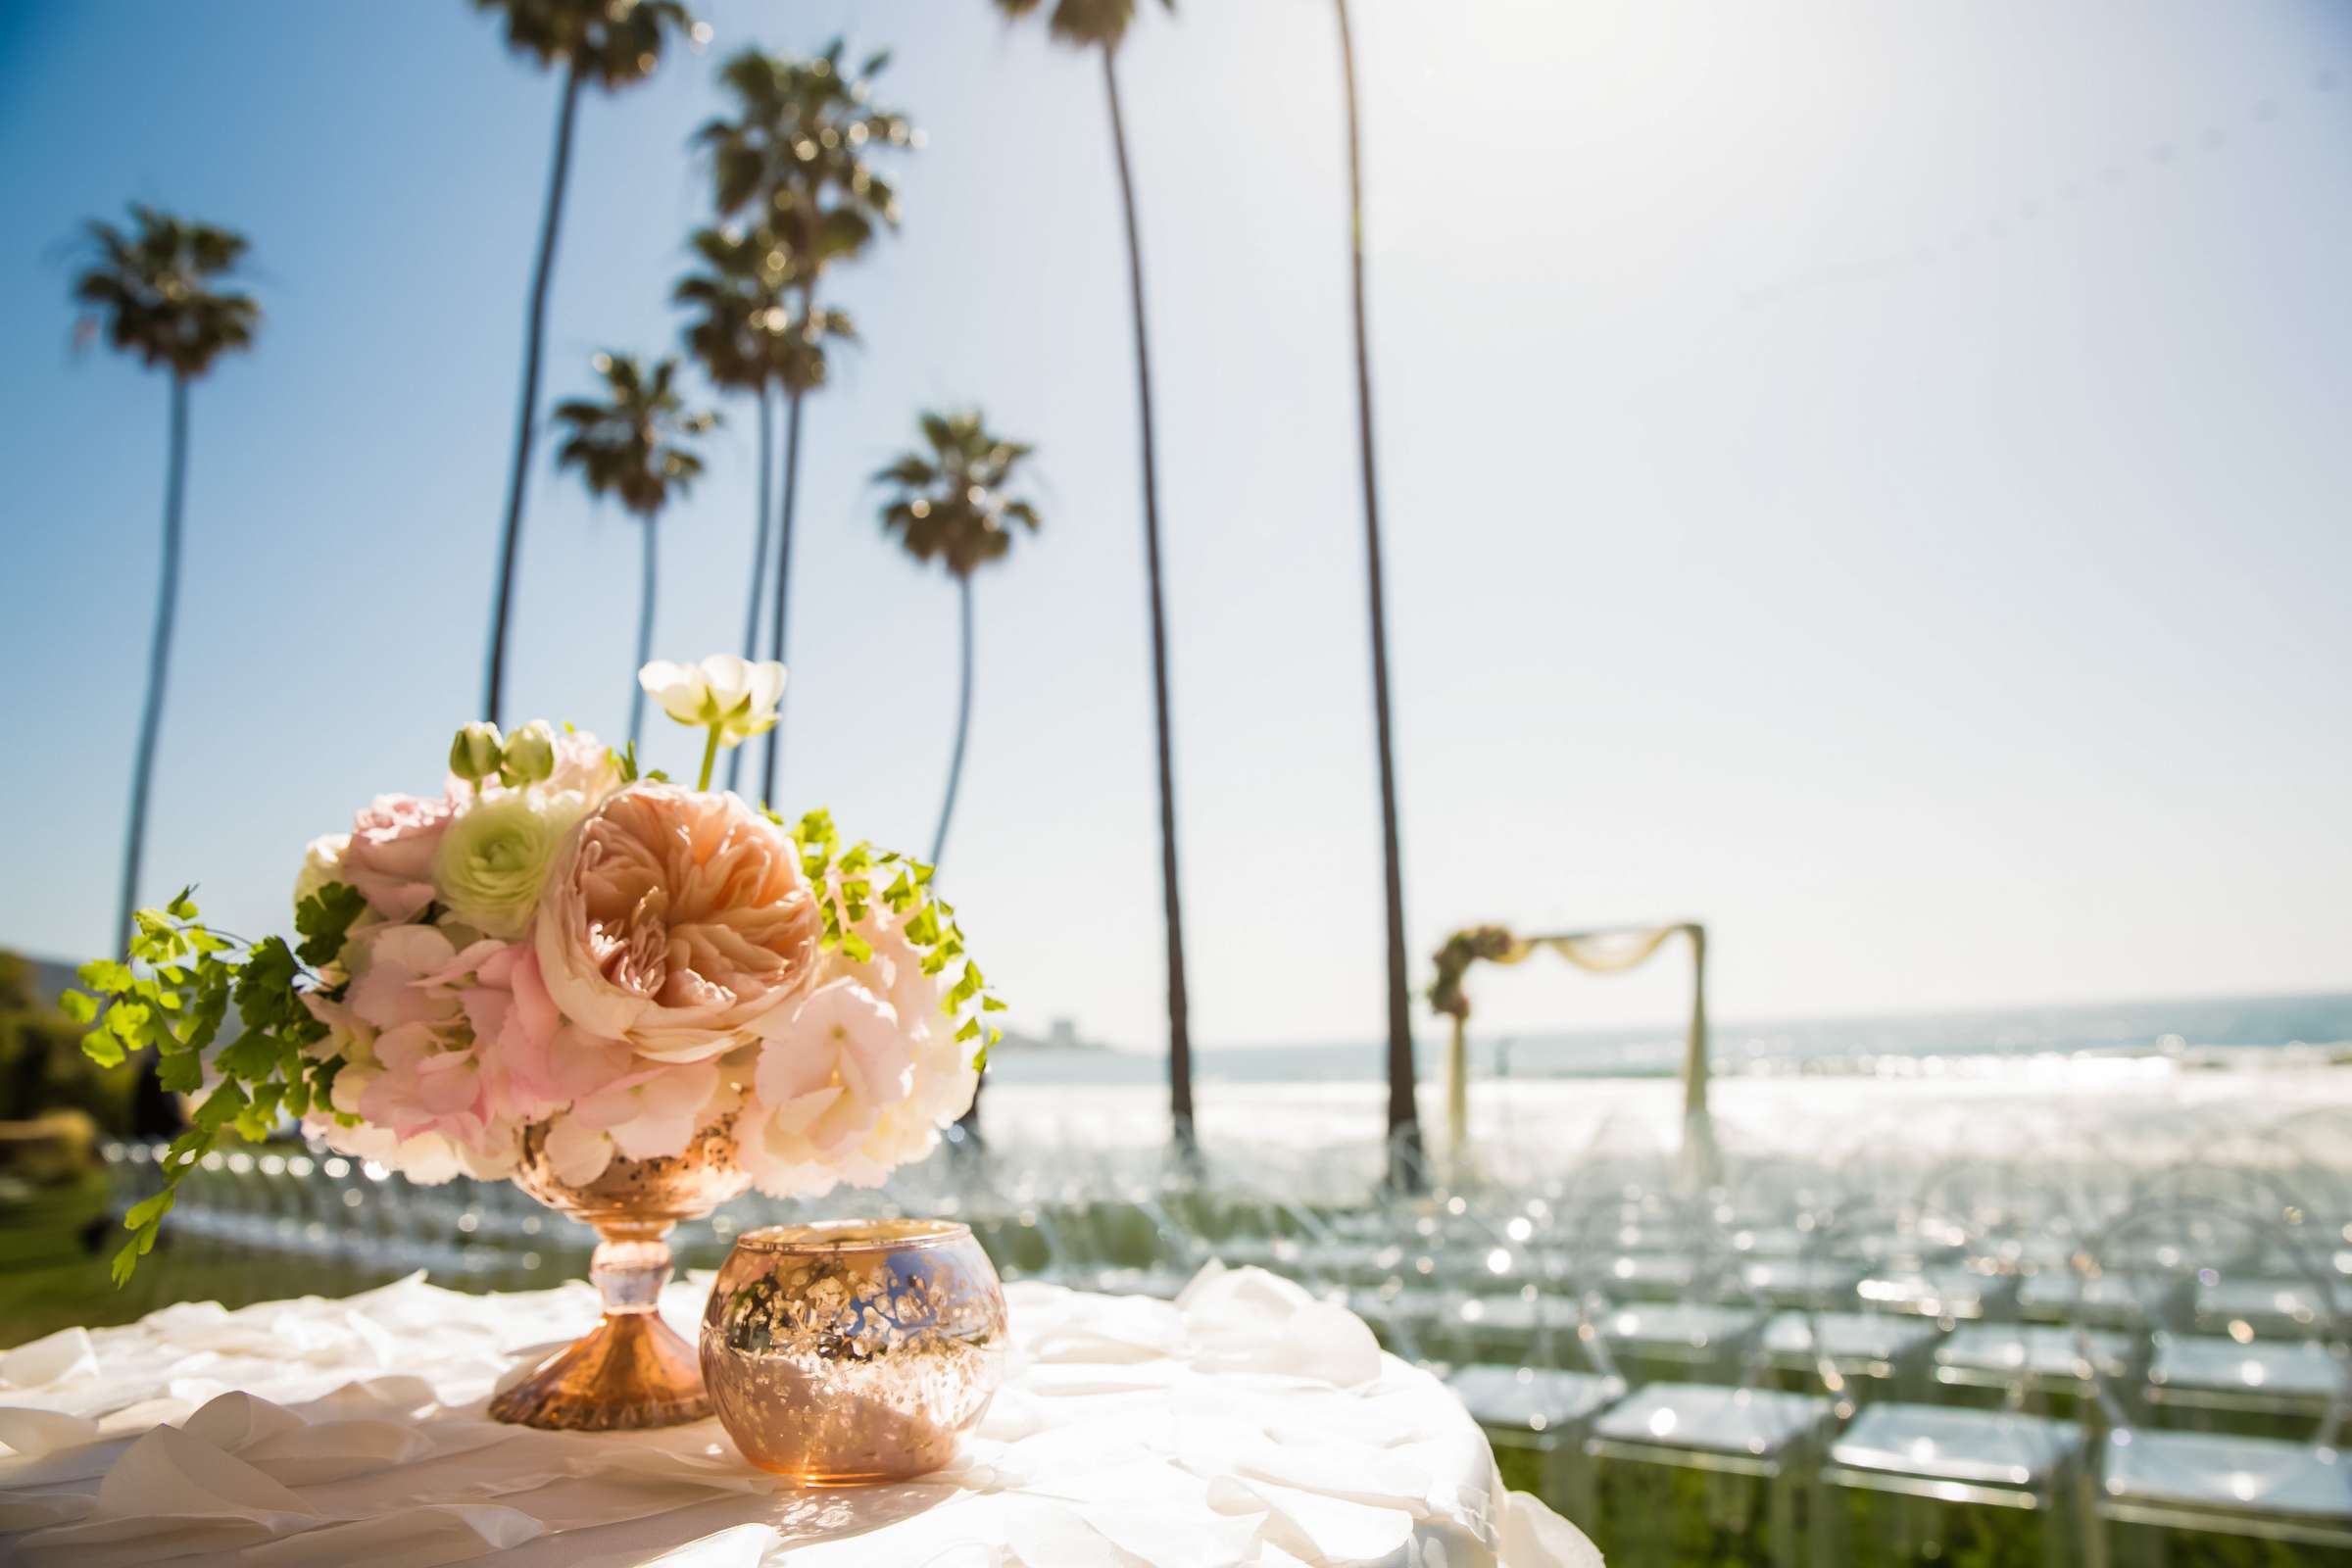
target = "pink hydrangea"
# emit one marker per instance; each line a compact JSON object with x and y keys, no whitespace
{"x":648,"y":1113}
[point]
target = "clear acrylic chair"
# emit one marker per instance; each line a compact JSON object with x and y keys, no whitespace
{"x":1927,"y":1480}
{"x":1676,"y":1304}
{"x":1536,"y":1379}
{"x":2042,"y":1368}
{"x":1964,"y":1229}
{"x":1712,"y":1471}
{"x":1711,"y":1453}
{"x":2214,"y":1383}
{"x":1901,"y":1465}
{"x":2292,"y":1493}
{"x":1825,"y":1335}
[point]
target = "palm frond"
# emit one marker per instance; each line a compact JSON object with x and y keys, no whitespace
{"x":1082,"y":23}
{"x":799,"y":147}
{"x":631,"y":442}
{"x":951,"y":504}
{"x":155,"y":288}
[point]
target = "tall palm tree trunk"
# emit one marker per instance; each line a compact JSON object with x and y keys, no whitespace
{"x":969,"y":1121}
{"x":159,"y":654}
{"x":964,"y":721}
{"x":770,"y":760}
{"x":1180,"y":1040}
{"x":528,"y":419}
{"x":154,"y":1113}
{"x":645,"y":633}
{"x":1404,"y":1119}
{"x":750,"y":613}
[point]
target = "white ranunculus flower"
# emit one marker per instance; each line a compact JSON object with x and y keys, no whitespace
{"x":322,"y":863}
{"x":494,"y":859}
{"x":733,"y":693}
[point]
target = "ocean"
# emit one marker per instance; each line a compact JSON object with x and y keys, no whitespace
{"x":2205,"y":1031}
{"x":2141,"y":1083}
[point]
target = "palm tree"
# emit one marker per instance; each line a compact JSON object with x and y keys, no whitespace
{"x":738,"y":335}
{"x":950,"y":507}
{"x":1103,"y":24}
{"x":612,"y":43}
{"x":631,"y":445}
{"x":797,"y":151}
{"x":1404,"y":1117}
{"x":154,"y":290}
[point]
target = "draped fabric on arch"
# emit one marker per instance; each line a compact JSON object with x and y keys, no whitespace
{"x":1611,"y":950}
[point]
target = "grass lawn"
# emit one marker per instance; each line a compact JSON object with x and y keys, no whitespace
{"x":52,"y":1277}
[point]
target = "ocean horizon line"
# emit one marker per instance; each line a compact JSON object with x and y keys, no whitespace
{"x":1432,"y":1032}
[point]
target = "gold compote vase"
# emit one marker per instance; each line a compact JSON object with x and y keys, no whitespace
{"x":632,"y":1370}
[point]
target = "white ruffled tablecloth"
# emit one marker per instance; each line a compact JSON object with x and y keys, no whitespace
{"x":1244,"y":1423}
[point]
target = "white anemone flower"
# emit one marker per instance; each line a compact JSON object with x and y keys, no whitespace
{"x":734,"y":696}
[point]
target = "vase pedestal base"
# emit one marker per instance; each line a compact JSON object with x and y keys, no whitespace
{"x":632,"y":1371}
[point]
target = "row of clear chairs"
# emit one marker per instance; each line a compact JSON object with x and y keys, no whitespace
{"x":1915,"y":1322}
{"x":2077,"y":1348}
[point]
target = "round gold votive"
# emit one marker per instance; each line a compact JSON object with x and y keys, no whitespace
{"x":854,"y":1350}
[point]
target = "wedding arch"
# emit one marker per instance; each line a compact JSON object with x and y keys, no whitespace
{"x":1611,"y":949}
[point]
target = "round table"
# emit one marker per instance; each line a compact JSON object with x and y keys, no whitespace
{"x":1243,"y":1423}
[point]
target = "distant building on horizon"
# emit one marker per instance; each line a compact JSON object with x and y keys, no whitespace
{"x":1060,"y":1035}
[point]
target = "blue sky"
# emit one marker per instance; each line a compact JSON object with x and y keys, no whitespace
{"x":1869,"y":478}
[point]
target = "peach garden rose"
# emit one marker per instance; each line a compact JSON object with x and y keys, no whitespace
{"x":675,"y":919}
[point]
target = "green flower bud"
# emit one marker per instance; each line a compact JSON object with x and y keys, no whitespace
{"x":477,"y":753}
{"x":530,"y":753}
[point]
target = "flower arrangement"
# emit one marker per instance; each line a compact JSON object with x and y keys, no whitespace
{"x":1463,"y":948}
{"x":556,"y":946}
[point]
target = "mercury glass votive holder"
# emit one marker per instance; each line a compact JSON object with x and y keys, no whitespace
{"x":854,"y":1350}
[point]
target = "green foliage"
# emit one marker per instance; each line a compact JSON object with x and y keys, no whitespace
{"x":845,"y":880}
{"x":950,"y":504}
{"x":42,"y":1067}
{"x":631,"y":444}
{"x":172,"y":996}
{"x":624,"y":763}
{"x":154,"y":291}
{"x":324,"y":919}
